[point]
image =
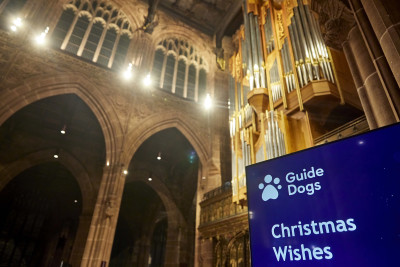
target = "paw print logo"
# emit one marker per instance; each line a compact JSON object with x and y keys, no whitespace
{"x":270,"y":191}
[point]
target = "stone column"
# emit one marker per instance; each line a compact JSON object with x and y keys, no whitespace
{"x":379,"y":60}
{"x":359,"y":85}
{"x":175,"y":246}
{"x":142,"y":52}
{"x":374,"y":92}
{"x":80,"y":239}
{"x":384,"y":17}
{"x":104,"y":221}
{"x":206,"y":253}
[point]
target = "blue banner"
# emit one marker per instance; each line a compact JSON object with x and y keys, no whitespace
{"x":333,"y":205}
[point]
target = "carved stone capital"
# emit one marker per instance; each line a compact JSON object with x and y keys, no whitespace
{"x":335,"y":20}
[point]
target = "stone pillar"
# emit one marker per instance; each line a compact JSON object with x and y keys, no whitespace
{"x":104,"y":221}
{"x":206,"y":253}
{"x":380,"y":62}
{"x":379,"y":104}
{"x":359,"y":85}
{"x":174,"y":244}
{"x":80,"y":239}
{"x":384,"y":17}
{"x":142,"y":52}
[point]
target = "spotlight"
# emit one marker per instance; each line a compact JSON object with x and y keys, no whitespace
{"x":147,"y":80}
{"x":207,"y":102}
{"x":41,"y":39}
{"x":16,"y":23}
{"x":150,"y":179}
{"x":57,"y":153}
{"x":159,"y":156}
{"x":64,"y":129}
{"x":108,"y":163}
{"x":75,"y":201}
{"x":128,"y":72}
{"x":125,"y":172}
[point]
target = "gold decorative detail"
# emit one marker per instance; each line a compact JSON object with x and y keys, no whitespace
{"x":238,"y":66}
{"x":279,"y":20}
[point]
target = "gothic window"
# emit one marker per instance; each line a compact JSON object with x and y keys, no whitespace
{"x":178,"y":68}
{"x":94,"y":30}
{"x":157,"y":66}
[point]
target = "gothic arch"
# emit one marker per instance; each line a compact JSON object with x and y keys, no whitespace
{"x":132,"y":13}
{"x":202,"y":42}
{"x":45,"y":86}
{"x":68,"y":161}
{"x":176,"y":222}
{"x":157,"y":123}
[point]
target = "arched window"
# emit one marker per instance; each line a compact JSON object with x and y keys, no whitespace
{"x":178,"y":68}
{"x":94,"y":30}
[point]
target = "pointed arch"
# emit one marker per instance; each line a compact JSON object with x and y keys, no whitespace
{"x":79,"y":172}
{"x":45,"y":86}
{"x":157,"y":123}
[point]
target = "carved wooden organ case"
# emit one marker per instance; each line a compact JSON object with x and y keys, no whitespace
{"x":285,"y":85}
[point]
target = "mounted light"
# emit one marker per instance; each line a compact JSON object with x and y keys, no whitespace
{"x":147,"y":80}
{"x":41,"y":39}
{"x":159,"y":156}
{"x":125,"y":172}
{"x":208,"y":102}
{"x":150,"y":179}
{"x":128,"y":72}
{"x":64,"y":129}
{"x":16,"y":24}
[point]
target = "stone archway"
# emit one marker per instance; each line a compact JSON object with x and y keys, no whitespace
{"x":42,"y":87}
{"x":88,"y":192}
{"x":46,"y":197}
{"x":176,"y":224}
{"x":68,"y":161}
{"x":46,"y":86}
{"x":156,"y":123}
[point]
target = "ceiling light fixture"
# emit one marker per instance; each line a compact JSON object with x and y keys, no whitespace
{"x":57,"y":154}
{"x":159,"y":156}
{"x":64,"y":129}
{"x":150,"y":179}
